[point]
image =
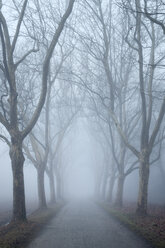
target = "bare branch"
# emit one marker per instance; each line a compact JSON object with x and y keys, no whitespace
{"x":132,"y":168}
{"x":19,"y":26}
{"x":4,"y":122}
{"x":157,"y":126}
{"x":5,"y":139}
{"x":149,"y":16}
{"x":46,"y":70}
{"x":25,"y":56}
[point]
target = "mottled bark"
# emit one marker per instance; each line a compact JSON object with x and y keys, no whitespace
{"x":110,"y":190}
{"x":119,"y":194}
{"x":17,"y":161}
{"x":143,"y":186}
{"x":41,"y":188}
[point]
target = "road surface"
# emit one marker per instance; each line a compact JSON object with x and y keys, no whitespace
{"x":86,"y":225}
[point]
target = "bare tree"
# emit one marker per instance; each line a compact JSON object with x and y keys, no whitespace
{"x":149,"y":127}
{"x":9,"y":114}
{"x":143,"y":47}
{"x":155,"y":11}
{"x":108,"y":67}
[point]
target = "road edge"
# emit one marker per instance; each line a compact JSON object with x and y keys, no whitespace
{"x":20,"y":235}
{"x":124,"y":220}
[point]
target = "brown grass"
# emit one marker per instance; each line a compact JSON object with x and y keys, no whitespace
{"x":19,"y":235}
{"x":150,"y":227}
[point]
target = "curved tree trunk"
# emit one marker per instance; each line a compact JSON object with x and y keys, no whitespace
{"x":41,"y":188}
{"x":17,"y":161}
{"x":119,"y":194}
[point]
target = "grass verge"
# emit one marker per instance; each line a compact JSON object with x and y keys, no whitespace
{"x":19,"y":235}
{"x":151,"y":228}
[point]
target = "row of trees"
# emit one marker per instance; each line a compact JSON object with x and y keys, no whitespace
{"x":123,"y":54}
{"x":29,"y":35}
{"x":107,"y":65}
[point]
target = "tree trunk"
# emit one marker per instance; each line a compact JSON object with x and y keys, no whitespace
{"x":162,"y":173}
{"x":97,"y":187}
{"x":119,"y":194}
{"x":111,"y":187}
{"x":104,"y":187}
{"x":143,"y":186}
{"x":41,"y":188}
{"x":52,"y":187}
{"x":104,"y":183}
{"x":17,"y":161}
{"x":58,"y":186}
{"x":62,"y":189}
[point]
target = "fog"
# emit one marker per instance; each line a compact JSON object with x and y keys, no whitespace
{"x":79,"y":178}
{"x":82,"y":104}
{"x":81,"y":160}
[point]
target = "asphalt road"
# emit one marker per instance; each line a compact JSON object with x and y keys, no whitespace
{"x":85,"y":225}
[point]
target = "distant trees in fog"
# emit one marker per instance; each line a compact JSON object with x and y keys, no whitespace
{"x":123,"y":53}
{"x":108,"y":67}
